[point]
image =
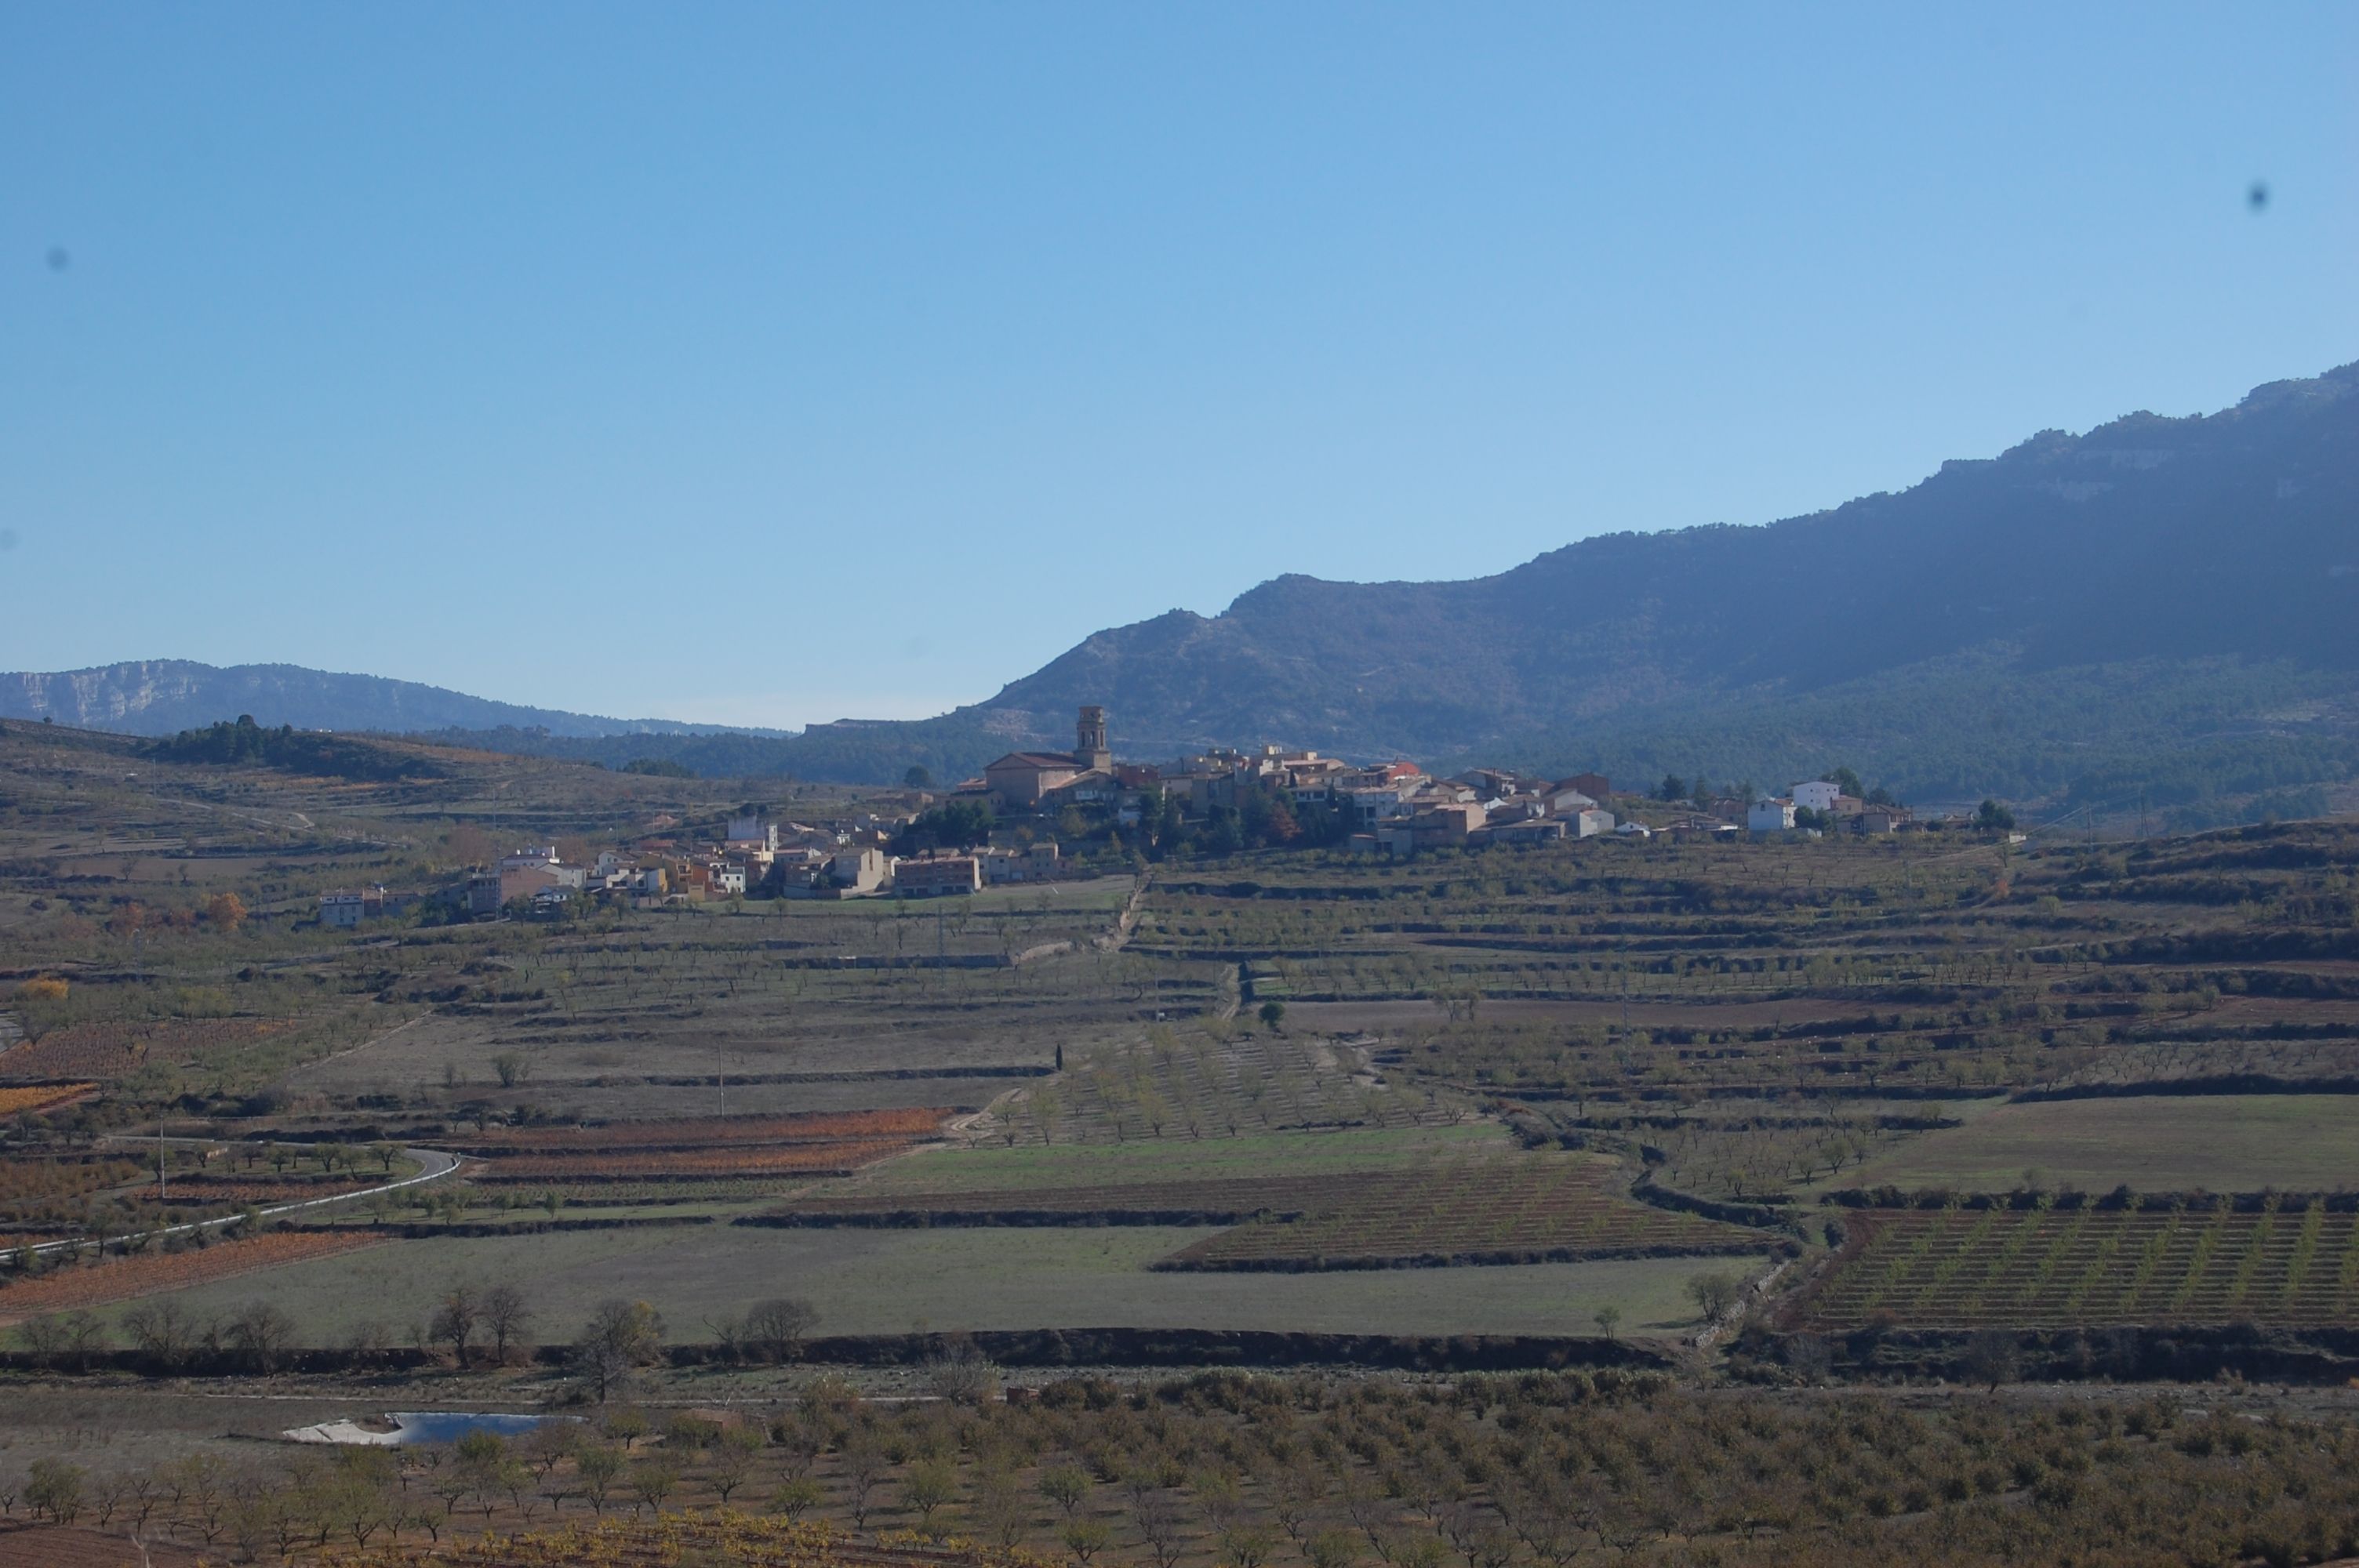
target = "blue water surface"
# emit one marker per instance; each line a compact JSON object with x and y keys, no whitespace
{"x":450,"y":1426}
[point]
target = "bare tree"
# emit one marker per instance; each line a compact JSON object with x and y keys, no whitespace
{"x":507,"y":1317}
{"x":1161,"y":1525}
{"x":456,"y":1317}
{"x":863,"y":1468}
{"x":774,"y":1329}
{"x":260,"y":1334}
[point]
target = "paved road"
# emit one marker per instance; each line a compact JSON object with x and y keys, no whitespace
{"x":433,"y":1165}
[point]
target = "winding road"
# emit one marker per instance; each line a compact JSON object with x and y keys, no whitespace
{"x":433,"y":1165}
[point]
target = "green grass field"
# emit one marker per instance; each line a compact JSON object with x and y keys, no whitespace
{"x":2158,"y":1144}
{"x":890,"y":1281}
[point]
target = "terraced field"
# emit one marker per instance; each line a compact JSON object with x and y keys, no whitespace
{"x":1527,"y":1209}
{"x":701,"y":1132}
{"x":1541,"y":1209}
{"x":696,"y":1149}
{"x":2004,"y":1268}
{"x":111,"y":1050}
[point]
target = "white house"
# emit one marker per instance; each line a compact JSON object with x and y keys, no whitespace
{"x":1771,"y":817}
{"x":1589,"y":822}
{"x":1817,"y":795}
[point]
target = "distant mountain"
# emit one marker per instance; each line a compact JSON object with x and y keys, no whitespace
{"x":2234,"y":537}
{"x":2163,"y":609}
{"x":160,"y":696}
{"x":2163,"y":612}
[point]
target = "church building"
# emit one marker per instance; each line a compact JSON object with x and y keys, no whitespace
{"x":1023,"y":779}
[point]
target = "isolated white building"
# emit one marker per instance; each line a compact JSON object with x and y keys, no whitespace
{"x":1818,"y":795}
{"x":1771,"y":817}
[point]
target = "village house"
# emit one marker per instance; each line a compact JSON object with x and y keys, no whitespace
{"x":1524,"y":832}
{"x":861,"y":869}
{"x":1815,"y":794}
{"x":1767,"y":815}
{"x":939,"y":874}
{"x":752,"y":834}
{"x":1564,"y":799}
{"x":342,"y":911}
{"x":479,"y":895}
{"x":1037,"y":863}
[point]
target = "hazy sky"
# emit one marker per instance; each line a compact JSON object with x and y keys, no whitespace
{"x":765,"y":365}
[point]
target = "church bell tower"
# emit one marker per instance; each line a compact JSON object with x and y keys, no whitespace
{"x":1090,"y":741}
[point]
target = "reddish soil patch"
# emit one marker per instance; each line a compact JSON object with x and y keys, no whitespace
{"x":121,"y":1278}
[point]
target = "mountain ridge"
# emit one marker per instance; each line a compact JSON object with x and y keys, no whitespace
{"x":2162,"y":599}
{"x":158,"y":696}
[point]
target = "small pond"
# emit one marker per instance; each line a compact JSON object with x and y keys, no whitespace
{"x":403,"y":1428}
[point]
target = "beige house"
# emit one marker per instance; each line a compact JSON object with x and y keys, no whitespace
{"x":861,"y":870}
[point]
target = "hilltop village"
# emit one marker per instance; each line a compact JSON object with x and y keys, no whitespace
{"x":1043,"y":816}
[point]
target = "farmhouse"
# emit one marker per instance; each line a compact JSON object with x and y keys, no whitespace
{"x":342,"y":911}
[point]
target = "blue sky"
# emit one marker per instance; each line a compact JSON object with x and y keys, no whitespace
{"x":763,"y":364}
